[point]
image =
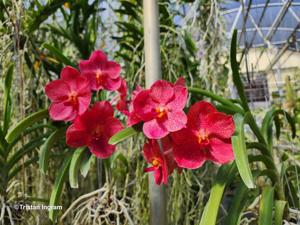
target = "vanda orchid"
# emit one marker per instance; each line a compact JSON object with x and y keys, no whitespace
{"x":206,"y":137}
{"x":161,"y":108}
{"x":102,"y":73}
{"x":70,"y":95}
{"x":175,"y":140}
{"x":94,"y":128}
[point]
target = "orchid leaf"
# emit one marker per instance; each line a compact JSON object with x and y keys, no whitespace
{"x":124,"y":134}
{"x":279,"y":211}
{"x":7,"y":98}
{"x":240,"y":152}
{"x":266,"y":206}
{"x":267,"y":123}
{"x":224,"y":176}
{"x":235,"y":72}
{"x":237,"y":205}
{"x":86,"y":163}
{"x":75,"y":166}
{"x":58,"y":186}
{"x":15,"y":171}
{"x":46,"y":147}
{"x":217,"y":98}
{"x":25,"y":123}
{"x":59,"y":55}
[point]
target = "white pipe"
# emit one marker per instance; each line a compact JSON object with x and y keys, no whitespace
{"x":158,"y":198}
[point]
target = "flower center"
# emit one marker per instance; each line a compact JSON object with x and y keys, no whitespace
{"x":155,"y":162}
{"x":202,"y":137}
{"x":73,"y":98}
{"x":98,"y":76}
{"x":161,"y":111}
{"x":98,"y":131}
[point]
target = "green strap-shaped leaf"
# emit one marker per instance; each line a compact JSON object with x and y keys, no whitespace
{"x":59,"y":55}
{"x":277,"y":126}
{"x":25,"y":123}
{"x":58,"y":186}
{"x":75,"y":166}
{"x":240,"y":151}
{"x":43,"y":14}
{"x":224,"y":176}
{"x":3,"y":143}
{"x":27,"y":148}
{"x":237,"y":205}
{"x":259,"y":146}
{"x":7,"y":98}
{"x":235,"y":72}
{"x":266,"y":206}
{"x":46,"y":147}
{"x":267,"y":123}
{"x":15,"y":171}
{"x":250,"y":120}
{"x":263,"y":158}
{"x":28,"y":131}
{"x":124,"y":134}
{"x":279,"y":211}
{"x":86,"y":163}
{"x":217,"y":98}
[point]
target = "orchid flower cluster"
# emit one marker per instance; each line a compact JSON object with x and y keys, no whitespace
{"x":175,"y":140}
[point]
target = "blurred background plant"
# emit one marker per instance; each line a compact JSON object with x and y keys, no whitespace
{"x":38,"y":38}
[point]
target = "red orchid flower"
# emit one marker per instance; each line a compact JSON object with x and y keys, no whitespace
{"x":132,"y":117}
{"x":206,"y":137}
{"x":94,"y":128}
{"x":101,"y":73}
{"x":70,"y":95}
{"x":162,"y":162}
{"x":122,"y":103}
{"x":161,"y":108}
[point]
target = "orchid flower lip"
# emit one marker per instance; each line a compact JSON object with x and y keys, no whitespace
{"x":98,"y":131}
{"x":155,"y":162}
{"x":98,"y":76}
{"x":202,"y":136}
{"x":73,"y":98}
{"x":161,"y":111}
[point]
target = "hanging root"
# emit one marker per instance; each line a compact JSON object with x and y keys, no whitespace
{"x":102,"y":206}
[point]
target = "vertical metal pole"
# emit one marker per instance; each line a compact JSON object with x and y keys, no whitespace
{"x":158,"y":198}
{"x":151,"y":41}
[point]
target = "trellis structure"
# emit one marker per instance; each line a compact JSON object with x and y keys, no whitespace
{"x":272,"y":24}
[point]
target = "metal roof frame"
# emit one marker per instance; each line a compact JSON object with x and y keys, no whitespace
{"x":268,"y":42}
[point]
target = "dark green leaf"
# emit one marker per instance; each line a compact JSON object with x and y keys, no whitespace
{"x":15,"y":171}
{"x":3,"y":143}
{"x":25,"y":123}
{"x":59,"y":55}
{"x":267,"y":123}
{"x":30,"y":146}
{"x":235,"y":72}
{"x":237,"y":205}
{"x":7,"y":98}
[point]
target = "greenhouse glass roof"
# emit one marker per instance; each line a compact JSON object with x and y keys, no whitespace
{"x":273,"y":23}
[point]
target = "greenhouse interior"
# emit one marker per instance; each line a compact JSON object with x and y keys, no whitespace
{"x":150,"y":112}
